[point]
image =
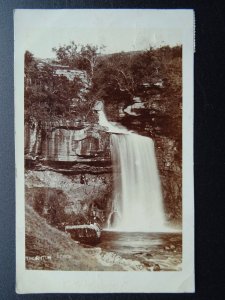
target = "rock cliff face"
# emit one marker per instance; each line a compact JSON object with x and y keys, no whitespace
{"x":66,"y":141}
{"x":171,"y":177}
{"x":68,"y":174}
{"x":76,"y":148}
{"x":70,"y":199}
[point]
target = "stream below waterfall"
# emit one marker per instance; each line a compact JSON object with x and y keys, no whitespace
{"x":164,"y":249}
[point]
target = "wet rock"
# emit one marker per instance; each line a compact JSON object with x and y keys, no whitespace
{"x":148,"y":255}
{"x":172,"y":247}
{"x":144,"y":254}
{"x":87,"y":234}
{"x":148,"y":264}
{"x":111,"y":258}
{"x":156,"y":267}
{"x":139,"y":253}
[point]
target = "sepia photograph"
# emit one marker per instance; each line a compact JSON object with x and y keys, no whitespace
{"x":101,"y":112}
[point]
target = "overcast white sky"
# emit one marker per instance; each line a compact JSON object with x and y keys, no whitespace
{"x":118,"y":30}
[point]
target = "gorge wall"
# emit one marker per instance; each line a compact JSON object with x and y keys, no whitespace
{"x":71,"y":163}
{"x":68,"y":173}
{"x":66,"y":141}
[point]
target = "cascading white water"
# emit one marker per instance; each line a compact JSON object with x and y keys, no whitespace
{"x":111,"y":127}
{"x":137,"y":202}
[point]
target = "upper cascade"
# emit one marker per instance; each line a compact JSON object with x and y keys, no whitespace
{"x":137,"y":198}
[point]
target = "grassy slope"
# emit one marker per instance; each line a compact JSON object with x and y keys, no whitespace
{"x":66,"y":254}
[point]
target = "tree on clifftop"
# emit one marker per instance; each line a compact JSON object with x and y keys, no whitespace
{"x":119,"y":76}
{"x":46,"y":95}
{"x":83,"y":57}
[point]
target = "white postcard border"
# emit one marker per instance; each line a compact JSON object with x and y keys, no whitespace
{"x":32,"y":281}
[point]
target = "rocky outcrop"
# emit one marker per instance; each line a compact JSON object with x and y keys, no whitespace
{"x":87,"y":233}
{"x":171,"y":177}
{"x":66,"y":200}
{"x":66,"y":141}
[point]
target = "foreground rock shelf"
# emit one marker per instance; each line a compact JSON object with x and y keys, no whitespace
{"x":88,"y":233}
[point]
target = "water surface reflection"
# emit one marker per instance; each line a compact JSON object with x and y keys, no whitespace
{"x":164,"y":249}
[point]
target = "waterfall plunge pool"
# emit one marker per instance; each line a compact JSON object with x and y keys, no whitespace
{"x":164,"y":249}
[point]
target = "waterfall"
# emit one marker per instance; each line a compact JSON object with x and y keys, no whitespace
{"x":111,"y":127}
{"x":137,"y":198}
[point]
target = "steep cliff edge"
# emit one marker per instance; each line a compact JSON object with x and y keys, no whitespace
{"x":66,"y":141}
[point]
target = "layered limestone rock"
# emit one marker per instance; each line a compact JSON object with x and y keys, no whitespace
{"x":68,"y":172}
{"x":66,"y":142}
